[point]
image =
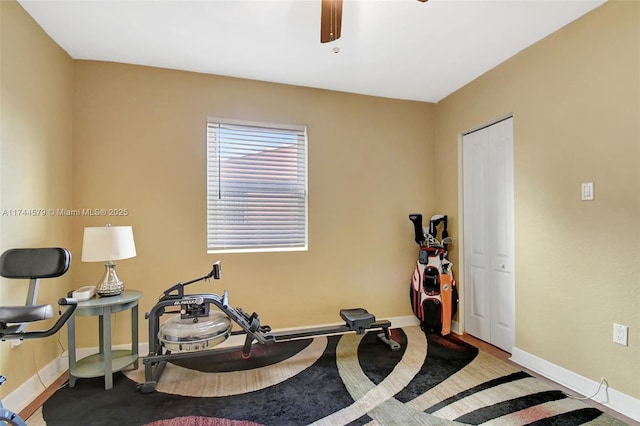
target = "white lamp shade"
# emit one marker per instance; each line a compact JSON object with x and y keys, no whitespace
{"x":107,"y":243}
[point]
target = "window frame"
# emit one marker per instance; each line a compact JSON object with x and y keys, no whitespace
{"x":299,"y":131}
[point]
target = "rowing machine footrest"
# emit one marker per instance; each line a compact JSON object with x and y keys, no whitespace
{"x":357,"y":319}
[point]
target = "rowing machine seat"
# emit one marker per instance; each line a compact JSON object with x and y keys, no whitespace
{"x":357,"y":319}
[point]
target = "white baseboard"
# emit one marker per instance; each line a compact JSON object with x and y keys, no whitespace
{"x":406,"y":321}
{"x":611,"y":398}
{"x":456,"y":328}
{"x":27,"y":392}
{"x":32,"y":388}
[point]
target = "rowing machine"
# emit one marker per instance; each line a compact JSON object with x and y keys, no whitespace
{"x":198,"y":328}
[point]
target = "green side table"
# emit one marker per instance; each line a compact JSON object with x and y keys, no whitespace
{"x":106,"y":361}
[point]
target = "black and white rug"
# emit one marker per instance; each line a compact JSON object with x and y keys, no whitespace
{"x":337,"y":380}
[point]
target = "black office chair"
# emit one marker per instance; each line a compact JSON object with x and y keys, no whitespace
{"x":34,"y":264}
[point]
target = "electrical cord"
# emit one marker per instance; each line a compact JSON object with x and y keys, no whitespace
{"x":36,"y":367}
{"x":61,"y":346}
{"x":606,"y":387}
{"x":35,"y":364}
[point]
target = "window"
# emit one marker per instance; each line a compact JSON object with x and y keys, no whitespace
{"x":256,"y":187}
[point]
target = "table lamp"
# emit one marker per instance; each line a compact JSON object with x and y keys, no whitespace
{"x":108,"y":243}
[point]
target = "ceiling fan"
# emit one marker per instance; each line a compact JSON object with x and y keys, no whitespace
{"x":331,"y":20}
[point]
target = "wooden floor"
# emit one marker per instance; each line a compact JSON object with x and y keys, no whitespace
{"x":40,"y":400}
{"x":483,"y":346}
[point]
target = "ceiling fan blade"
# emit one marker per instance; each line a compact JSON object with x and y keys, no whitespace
{"x":330,"y":20}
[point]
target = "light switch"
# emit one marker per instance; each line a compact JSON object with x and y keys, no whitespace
{"x":587,"y":191}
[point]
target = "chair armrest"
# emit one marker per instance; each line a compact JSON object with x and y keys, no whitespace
{"x":71,"y":305}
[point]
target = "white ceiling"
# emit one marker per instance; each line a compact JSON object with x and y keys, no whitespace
{"x":401,"y":49}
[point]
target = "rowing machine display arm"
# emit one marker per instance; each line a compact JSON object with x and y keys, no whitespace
{"x":216,"y":274}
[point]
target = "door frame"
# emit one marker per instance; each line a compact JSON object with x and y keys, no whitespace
{"x":461,"y":267}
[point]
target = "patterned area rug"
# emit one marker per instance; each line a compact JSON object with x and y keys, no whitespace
{"x":337,"y":380}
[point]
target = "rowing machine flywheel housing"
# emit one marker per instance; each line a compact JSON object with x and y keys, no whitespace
{"x":188,"y":335}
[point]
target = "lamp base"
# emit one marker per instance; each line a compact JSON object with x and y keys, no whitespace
{"x":110,"y":284}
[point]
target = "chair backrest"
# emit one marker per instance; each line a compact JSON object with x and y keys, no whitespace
{"x":34,"y":263}
{"x":30,"y":263}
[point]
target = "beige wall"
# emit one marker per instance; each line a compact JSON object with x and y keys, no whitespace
{"x":575,"y":98}
{"x":139,"y":144}
{"x":36,"y":84}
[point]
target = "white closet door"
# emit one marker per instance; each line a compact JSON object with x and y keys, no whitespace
{"x":487,"y":162}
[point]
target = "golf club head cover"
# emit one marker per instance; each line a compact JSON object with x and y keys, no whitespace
{"x":416,"y":218}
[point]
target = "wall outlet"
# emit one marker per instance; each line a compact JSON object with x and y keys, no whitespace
{"x":15,"y":343}
{"x":620,"y":334}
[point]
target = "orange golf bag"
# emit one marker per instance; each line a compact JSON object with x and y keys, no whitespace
{"x":433,"y":292}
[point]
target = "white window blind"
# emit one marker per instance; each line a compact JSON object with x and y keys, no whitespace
{"x":256,"y":187}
